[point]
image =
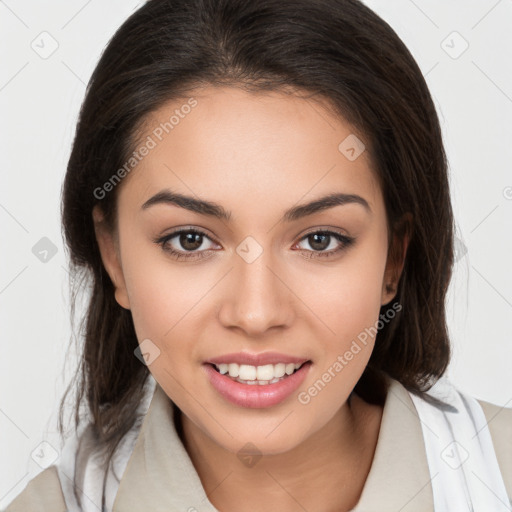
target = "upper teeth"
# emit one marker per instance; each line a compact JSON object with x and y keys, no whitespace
{"x":266,"y":372}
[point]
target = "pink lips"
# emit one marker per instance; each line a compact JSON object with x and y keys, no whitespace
{"x":256,"y":396}
{"x":256,"y":359}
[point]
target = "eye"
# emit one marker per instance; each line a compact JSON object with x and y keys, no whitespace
{"x":191,"y":243}
{"x":185,"y":243}
{"x":322,"y":240}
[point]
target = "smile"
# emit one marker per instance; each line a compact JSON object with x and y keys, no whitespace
{"x":256,"y":386}
{"x":257,"y":375}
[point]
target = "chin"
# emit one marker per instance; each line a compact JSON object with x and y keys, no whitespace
{"x":270,"y":436}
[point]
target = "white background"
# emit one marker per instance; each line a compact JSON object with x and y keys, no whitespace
{"x":39,"y":101}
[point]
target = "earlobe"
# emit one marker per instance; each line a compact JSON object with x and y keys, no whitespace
{"x":110,"y":256}
{"x":388,"y":293}
{"x":396,"y":259}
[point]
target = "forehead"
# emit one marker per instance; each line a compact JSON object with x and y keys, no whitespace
{"x":227,"y":144}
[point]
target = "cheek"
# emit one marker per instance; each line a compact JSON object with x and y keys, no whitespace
{"x":160,"y":290}
{"x":166,"y":300}
{"x":349,"y":304}
{"x":161,"y":303}
{"x":348,"y":297}
{"x":152,"y":297}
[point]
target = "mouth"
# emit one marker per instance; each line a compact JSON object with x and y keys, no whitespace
{"x":257,"y":375}
{"x":256,"y":386}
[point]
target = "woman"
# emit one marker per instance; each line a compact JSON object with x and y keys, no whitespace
{"x":258,"y":192}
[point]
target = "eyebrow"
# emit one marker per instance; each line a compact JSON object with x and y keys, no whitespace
{"x":212,"y":209}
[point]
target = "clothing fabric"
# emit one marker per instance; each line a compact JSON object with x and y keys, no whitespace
{"x":158,"y":475}
{"x":461,"y":457}
{"x":76,"y":464}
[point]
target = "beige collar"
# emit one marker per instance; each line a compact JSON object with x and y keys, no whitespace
{"x":161,"y":477}
{"x":399,"y":478}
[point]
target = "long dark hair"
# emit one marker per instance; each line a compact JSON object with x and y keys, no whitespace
{"x":338,"y":50}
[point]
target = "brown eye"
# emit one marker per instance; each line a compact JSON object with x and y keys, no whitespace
{"x":319,"y":241}
{"x":326,"y":243}
{"x":186,"y":243}
{"x":190,"y":241}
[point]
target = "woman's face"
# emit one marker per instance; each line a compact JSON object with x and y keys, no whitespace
{"x":256,"y":281}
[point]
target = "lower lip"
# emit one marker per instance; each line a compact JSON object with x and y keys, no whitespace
{"x":256,"y":396}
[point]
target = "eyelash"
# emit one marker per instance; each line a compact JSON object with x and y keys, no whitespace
{"x":345,"y":241}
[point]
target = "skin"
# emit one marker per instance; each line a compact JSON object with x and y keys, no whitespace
{"x":258,"y":155}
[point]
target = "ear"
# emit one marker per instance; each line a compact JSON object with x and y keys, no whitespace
{"x":396,"y":258}
{"x":109,"y":250}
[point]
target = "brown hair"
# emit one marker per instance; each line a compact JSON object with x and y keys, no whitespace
{"x":338,"y":50}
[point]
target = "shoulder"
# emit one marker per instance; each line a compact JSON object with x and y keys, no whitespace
{"x":499,"y":420}
{"x":42,"y":493}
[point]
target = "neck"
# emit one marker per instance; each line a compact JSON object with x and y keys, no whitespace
{"x":335,"y":459}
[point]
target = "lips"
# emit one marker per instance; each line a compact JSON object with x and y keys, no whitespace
{"x":252,"y":393}
{"x":260,"y":359}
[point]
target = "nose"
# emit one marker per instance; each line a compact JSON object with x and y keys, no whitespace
{"x":255,"y":297}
